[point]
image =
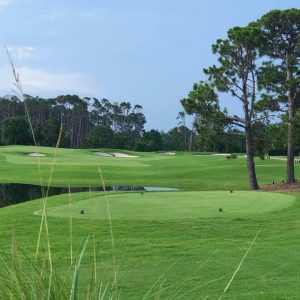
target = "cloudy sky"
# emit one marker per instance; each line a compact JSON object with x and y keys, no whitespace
{"x":145,"y":52}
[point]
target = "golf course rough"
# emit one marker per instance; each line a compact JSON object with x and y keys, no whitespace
{"x":159,"y":206}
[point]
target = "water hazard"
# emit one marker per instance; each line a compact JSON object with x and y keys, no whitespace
{"x":14,"y":193}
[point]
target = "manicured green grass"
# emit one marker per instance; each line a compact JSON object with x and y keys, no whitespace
{"x":203,"y":251}
{"x":163,"y":206}
{"x":184,"y":170}
{"x":168,"y":245}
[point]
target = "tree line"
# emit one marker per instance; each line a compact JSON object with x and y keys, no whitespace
{"x":93,"y":123}
{"x":82,"y":120}
{"x":258,"y":65}
{"x":86,"y":123}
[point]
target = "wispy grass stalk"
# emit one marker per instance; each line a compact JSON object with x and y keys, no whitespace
{"x":182,"y":284}
{"x":44,"y":223}
{"x":240,"y":264}
{"x":95,"y":259}
{"x":74,"y":288}
{"x":158,"y":279}
{"x":111,"y":230}
{"x":70,"y":224}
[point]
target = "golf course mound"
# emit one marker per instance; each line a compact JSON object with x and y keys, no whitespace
{"x":159,"y":206}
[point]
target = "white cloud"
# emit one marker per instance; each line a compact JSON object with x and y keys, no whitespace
{"x":41,"y":82}
{"x":22,"y":52}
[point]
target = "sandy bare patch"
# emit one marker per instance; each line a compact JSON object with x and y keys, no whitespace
{"x":123,"y":155}
{"x":214,"y":154}
{"x":282,"y":187}
{"x":103,"y":154}
{"x":167,"y":153}
{"x":35,"y":154}
{"x":114,"y":154}
{"x":278,"y":158}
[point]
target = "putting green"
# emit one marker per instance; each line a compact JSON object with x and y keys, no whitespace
{"x":174,"y":205}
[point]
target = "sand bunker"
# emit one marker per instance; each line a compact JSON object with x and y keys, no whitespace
{"x":123,"y":155}
{"x":103,"y":154}
{"x":114,"y":154}
{"x":214,"y":154}
{"x":167,"y":153}
{"x":35,"y":154}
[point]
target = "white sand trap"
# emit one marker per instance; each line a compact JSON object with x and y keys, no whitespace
{"x":214,"y":154}
{"x":36,"y":154}
{"x":279,"y":158}
{"x":114,"y":154}
{"x":167,"y":153}
{"x":103,"y":154}
{"x":123,"y":155}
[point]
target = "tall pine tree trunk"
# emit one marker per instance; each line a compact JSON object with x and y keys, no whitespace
{"x":290,"y":170}
{"x":250,"y":160}
{"x":249,"y":141}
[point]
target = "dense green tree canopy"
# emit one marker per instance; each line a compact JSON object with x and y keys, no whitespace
{"x":15,"y":130}
{"x":100,"y":137}
{"x":236,"y":73}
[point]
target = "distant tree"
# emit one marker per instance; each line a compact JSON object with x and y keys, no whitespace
{"x":276,"y":135}
{"x":100,"y":137}
{"x":151,"y":141}
{"x":234,"y":141}
{"x":15,"y":130}
{"x":78,"y":116}
{"x":203,"y":101}
{"x":260,"y":143}
{"x":174,"y":139}
{"x":120,"y":141}
{"x":182,"y":122}
{"x":50,"y":132}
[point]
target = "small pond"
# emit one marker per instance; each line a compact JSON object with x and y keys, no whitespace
{"x":14,"y":193}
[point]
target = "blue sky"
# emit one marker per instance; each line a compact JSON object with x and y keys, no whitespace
{"x":145,"y":52}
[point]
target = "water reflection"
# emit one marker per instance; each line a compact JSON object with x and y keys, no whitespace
{"x":14,"y":193}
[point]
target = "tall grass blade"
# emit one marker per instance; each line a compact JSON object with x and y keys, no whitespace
{"x":74,"y":287}
{"x":110,"y":227}
{"x":182,"y":284}
{"x":70,"y":224}
{"x":201,"y":285}
{"x":95,"y":259}
{"x":160,"y":277}
{"x":240,"y":264}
